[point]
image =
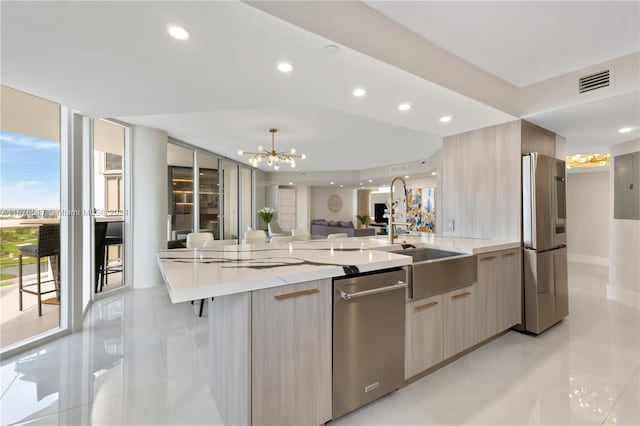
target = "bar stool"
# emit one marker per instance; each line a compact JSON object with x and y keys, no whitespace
{"x":100,"y":230}
{"x":113,"y":238}
{"x":48,"y":246}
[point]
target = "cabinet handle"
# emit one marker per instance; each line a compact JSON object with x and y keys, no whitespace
{"x":482,"y":259}
{"x":509,"y":254}
{"x":457,"y":296}
{"x":296,"y":294}
{"x":425,"y":306}
{"x":346,"y":296}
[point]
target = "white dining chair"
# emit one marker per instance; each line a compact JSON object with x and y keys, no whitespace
{"x":275,"y":230}
{"x":340,"y":235}
{"x":300,"y":234}
{"x":197,"y":239}
{"x":281,"y":238}
{"x":219,"y":243}
{"x":253,"y":237}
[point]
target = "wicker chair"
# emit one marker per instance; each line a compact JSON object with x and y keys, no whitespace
{"x":48,"y":246}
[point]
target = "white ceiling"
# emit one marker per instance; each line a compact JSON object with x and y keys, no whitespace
{"x":524,"y":42}
{"x":220,"y":89}
{"x":331,"y":140}
{"x":593,"y":127}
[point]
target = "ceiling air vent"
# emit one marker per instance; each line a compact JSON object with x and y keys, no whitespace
{"x":594,"y":81}
{"x":398,"y":170}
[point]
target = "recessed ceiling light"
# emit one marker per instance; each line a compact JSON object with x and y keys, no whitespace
{"x":370,"y":180}
{"x":341,"y":186}
{"x":406,"y":176}
{"x":625,"y":130}
{"x":331,"y":49}
{"x":290,"y":183}
{"x":404,"y":107}
{"x":361,"y":183}
{"x":433,"y":173}
{"x":445,"y":119}
{"x":359,"y":92}
{"x":285,"y":67}
{"x":331,"y":183}
{"x":178,"y":32}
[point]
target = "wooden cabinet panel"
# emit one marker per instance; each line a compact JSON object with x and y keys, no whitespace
{"x":423,"y":335}
{"x":510,"y":295}
{"x":499,"y":292}
{"x":488,"y":312}
{"x":291,"y":354}
{"x":459,"y":320}
{"x":537,"y":139}
{"x":484,"y":202}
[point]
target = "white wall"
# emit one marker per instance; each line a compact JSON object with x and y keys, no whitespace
{"x":303,"y":207}
{"x":149,"y":203}
{"x":588,"y":217}
{"x":319,"y":198}
{"x":260,"y":196}
{"x":624,"y":252}
{"x":230,"y":173}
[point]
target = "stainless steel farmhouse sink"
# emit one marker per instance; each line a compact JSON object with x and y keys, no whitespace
{"x":438,"y":271}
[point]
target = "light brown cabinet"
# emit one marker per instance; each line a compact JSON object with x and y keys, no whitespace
{"x":499,"y":292}
{"x":488,"y":309}
{"x":459,"y":320}
{"x":511,"y":287}
{"x":291,"y":354}
{"x":424,"y":340}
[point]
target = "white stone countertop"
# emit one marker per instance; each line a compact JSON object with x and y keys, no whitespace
{"x":192,"y":274}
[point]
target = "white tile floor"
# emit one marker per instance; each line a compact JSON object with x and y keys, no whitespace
{"x":141,"y":360}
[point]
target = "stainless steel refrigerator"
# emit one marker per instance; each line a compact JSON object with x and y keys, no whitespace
{"x":546,"y":296}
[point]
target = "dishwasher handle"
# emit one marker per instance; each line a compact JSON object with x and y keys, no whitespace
{"x":347,"y":296}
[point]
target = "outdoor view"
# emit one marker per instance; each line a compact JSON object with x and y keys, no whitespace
{"x":29,"y":197}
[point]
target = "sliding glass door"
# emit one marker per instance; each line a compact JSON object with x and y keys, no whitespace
{"x":180,"y":187}
{"x":31,"y":287}
{"x":109,"y":205}
{"x":208,"y":194}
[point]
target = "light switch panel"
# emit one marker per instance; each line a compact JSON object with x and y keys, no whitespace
{"x":451,"y":225}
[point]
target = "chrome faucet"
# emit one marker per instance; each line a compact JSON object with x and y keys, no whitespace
{"x":391,"y":222}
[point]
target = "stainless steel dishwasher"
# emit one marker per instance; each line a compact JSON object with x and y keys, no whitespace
{"x":368,"y":338}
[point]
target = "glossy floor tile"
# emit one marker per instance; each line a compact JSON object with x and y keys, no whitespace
{"x":16,"y":325}
{"x":141,"y":360}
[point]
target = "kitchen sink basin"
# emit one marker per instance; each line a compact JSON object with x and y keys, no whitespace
{"x":425,"y":253}
{"x":437,"y":271}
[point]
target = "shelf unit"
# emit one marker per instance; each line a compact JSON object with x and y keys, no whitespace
{"x":181,"y":193}
{"x":181,"y":200}
{"x":209,"y":197}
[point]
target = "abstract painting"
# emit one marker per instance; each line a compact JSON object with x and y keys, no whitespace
{"x":420,"y":209}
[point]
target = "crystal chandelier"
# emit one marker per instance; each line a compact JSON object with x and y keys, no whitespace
{"x":273,"y":157}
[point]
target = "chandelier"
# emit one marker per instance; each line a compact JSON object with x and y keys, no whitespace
{"x":273,"y":157}
{"x":588,"y":160}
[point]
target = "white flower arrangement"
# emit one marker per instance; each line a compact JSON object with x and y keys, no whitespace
{"x":266,"y":214}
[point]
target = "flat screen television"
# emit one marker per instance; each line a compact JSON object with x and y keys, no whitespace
{"x":378,"y":210}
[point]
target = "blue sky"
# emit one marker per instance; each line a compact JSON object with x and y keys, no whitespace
{"x":29,"y":172}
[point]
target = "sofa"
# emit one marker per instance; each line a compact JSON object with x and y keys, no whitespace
{"x":326,"y":227}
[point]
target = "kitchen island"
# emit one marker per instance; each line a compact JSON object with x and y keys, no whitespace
{"x":270,"y":322}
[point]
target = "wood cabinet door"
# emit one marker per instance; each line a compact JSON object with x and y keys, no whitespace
{"x":510,"y":294}
{"x":291,"y":354}
{"x":459,"y":320}
{"x":488,"y":309}
{"x":423,"y":335}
